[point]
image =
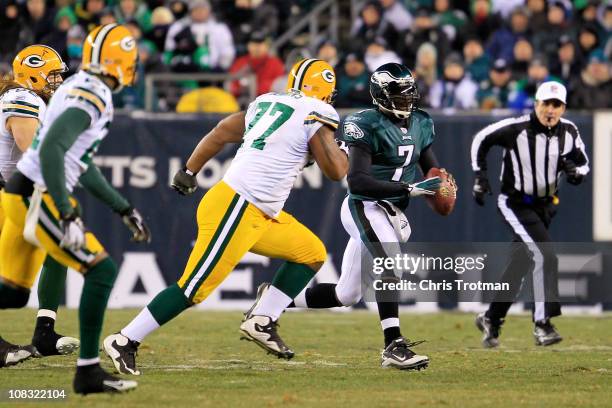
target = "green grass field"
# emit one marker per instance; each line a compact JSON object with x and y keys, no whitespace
{"x":198,"y":360}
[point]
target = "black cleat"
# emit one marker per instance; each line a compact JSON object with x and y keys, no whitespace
{"x":49,"y":343}
{"x":122,"y":351}
{"x":12,"y":354}
{"x":262,"y":331}
{"x":93,"y":379}
{"x":546,"y":334}
{"x":490,"y":329}
{"x":398,"y":355}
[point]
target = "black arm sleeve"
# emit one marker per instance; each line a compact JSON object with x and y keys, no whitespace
{"x":428,"y":159}
{"x":361,"y":181}
{"x":578,"y":153}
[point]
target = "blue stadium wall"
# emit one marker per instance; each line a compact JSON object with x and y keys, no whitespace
{"x":141,"y":153}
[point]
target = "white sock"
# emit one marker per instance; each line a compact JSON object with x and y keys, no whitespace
{"x":272,"y":303}
{"x":47,"y":313}
{"x":87,"y":361}
{"x":300,"y":300}
{"x":390,"y":322}
{"x":141,"y":326}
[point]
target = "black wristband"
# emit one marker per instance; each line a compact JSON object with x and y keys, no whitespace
{"x":126,"y":211}
{"x":70,"y":216}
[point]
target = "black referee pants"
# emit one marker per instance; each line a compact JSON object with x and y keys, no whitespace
{"x":529,"y":224}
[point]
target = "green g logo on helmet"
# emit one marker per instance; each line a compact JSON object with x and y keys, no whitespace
{"x":34,"y":61}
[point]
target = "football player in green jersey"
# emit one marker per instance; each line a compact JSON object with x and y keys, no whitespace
{"x":385,"y":146}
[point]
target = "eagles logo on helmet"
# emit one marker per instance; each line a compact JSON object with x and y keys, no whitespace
{"x":394,"y":90}
{"x":314,"y":78}
{"x":110,"y":50}
{"x":39,"y":68}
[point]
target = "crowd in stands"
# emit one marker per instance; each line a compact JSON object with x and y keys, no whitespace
{"x":465,"y":54}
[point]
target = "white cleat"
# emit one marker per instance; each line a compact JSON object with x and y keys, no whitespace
{"x":122,"y":352}
{"x":67,"y":345}
{"x":262,"y":331}
{"x":398,"y":355}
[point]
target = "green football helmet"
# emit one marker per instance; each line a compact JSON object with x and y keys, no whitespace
{"x":394,"y":90}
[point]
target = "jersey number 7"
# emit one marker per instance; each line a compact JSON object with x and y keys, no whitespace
{"x":268,"y":119}
{"x":403,"y":151}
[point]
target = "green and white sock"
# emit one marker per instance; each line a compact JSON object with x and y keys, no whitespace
{"x":290,"y":279}
{"x":168,"y":304}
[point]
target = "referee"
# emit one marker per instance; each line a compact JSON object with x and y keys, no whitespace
{"x":538,"y":147}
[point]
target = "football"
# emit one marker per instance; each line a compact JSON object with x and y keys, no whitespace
{"x":443,"y":201}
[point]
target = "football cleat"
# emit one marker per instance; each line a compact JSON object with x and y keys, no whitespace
{"x":262,"y":331}
{"x":93,"y":379}
{"x":122,"y":351}
{"x":490,"y":330}
{"x":260,"y":291}
{"x":49,"y":343}
{"x":546,"y":334}
{"x":398,"y":355}
{"x":11,"y":354}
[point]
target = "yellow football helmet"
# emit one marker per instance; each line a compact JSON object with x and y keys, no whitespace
{"x":111,"y":50}
{"x":38,"y":67}
{"x":315,"y":78}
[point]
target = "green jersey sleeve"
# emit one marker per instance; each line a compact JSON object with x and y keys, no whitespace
{"x":426,"y":129}
{"x":358,"y":130}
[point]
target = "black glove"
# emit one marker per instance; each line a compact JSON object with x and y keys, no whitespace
{"x":481,"y":187}
{"x":2,"y":182}
{"x":134,"y":221}
{"x":571,"y":171}
{"x":183,"y":182}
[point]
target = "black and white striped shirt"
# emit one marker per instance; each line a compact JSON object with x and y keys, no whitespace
{"x":532,"y":153}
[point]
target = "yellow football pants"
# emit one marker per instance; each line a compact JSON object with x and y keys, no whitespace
{"x":1,"y":215}
{"x":229,"y":227}
{"x":20,"y":260}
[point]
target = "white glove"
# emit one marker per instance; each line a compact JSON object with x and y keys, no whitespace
{"x":425,"y":187}
{"x":73,"y":232}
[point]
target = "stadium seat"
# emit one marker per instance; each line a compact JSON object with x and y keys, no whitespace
{"x":208,"y":100}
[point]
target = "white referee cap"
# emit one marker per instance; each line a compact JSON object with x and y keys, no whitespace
{"x":551,"y":90}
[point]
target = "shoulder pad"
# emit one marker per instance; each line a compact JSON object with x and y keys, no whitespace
{"x":421,"y":114}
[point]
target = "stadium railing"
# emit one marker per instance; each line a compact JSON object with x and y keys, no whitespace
{"x":172,"y":86}
{"x":328,"y":11}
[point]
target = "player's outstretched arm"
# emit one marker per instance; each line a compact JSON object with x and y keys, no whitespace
{"x":229,"y":130}
{"x":360,"y":178}
{"x":61,"y":136}
{"x":99,"y":187}
{"x":332,"y":161}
